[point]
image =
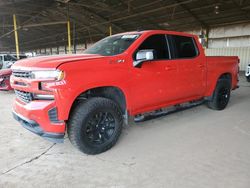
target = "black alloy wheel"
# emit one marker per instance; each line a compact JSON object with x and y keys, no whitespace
{"x":100,"y":128}
{"x":223,"y":96}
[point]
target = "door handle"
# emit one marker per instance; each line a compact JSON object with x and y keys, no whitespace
{"x":201,"y":65}
{"x":168,"y":68}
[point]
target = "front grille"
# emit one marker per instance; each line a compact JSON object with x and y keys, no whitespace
{"x":24,"y":96}
{"x":21,"y":74}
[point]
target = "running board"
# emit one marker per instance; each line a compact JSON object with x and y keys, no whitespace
{"x":166,"y":111}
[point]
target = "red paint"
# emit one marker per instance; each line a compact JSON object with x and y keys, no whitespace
{"x":156,"y":84}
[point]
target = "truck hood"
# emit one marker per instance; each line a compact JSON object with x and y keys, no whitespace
{"x":51,"y":62}
{"x":5,"y":72}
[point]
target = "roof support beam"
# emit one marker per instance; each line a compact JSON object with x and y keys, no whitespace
{"x":246,"y":13}
{"x":44,"y":24}
{"x":33,"y":25}
{"x":183,"y":6}
{"x":91,"y":7}
{"x":152,"y":10}
{"x":141,"y":13}
{"x":100,"y":18}
{"x":131,"y":10}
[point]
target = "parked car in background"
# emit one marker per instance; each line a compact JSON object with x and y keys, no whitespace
{"x":5,"y":79}
{"x":248,"y":73}
{"x":7,"y":60}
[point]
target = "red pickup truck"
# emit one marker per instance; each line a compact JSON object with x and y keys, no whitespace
{"x":129,"y":74}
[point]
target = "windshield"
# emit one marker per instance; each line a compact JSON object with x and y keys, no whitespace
{"x":112,"y":45}
{"x":9,"y":58}
{"x":20,"y":56}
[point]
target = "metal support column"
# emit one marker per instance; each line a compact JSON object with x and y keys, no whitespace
{"x":110,"y":30}
{"x":69,"y":37}
{"x":207,"y":37}
{"x":16,"y":36}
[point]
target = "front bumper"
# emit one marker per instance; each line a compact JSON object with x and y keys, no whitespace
{"x":35,"y":128}
{"x":34,"y":116}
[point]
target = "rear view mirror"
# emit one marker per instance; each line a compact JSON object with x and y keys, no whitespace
{"x":143,"y":55}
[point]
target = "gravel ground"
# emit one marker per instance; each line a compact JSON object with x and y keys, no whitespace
{"x":195,"y":148}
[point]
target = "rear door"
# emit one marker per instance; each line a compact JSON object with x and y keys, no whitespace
{"x":191,"y":66}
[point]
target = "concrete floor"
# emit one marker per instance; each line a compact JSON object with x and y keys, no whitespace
{"x":198,"y":148}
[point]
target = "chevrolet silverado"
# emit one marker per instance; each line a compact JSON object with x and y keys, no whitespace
{"x":91,"y":95}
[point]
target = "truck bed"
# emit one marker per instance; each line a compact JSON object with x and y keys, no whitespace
{"x":218,"y":64}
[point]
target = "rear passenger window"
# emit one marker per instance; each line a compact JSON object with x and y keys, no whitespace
{"x":185,"y":47}
{"x":157,"y":43}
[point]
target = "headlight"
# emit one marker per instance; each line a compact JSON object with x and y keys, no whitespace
{"x":47,"y":74}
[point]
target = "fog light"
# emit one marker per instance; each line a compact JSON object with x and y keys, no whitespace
{"x":43,"y":86}
{"x":43,"y":97}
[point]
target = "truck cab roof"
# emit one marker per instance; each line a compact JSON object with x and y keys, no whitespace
{"x":158,"y":32}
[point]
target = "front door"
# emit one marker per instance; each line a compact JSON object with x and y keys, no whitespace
{"x":154,"y":83}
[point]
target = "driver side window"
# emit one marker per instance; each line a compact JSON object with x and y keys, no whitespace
{"x":157,"y":43}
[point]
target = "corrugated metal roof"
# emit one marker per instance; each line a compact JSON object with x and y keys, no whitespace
{"x":91,"y":18}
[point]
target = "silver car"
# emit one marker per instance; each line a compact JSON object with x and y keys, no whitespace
{"x":7,"y":60}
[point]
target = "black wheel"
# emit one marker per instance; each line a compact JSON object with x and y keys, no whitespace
{"x":95,"y":125}
{"x":221,"y":95}
{"x":248,"y":78}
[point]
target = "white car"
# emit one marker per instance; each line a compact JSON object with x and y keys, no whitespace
{"x":248,"y":73}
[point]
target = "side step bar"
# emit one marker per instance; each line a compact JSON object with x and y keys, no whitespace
{"x":167,"y":111}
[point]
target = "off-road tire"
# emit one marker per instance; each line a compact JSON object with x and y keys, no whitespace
{"x":248,"y":78}
{"x":221,"y":95}
{"x":80,"y":117}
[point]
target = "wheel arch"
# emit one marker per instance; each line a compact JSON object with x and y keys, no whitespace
{"x":111,"y":92}
{"x":225,"y":75}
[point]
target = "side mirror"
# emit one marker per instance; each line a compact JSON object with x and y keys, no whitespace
{"x":142,"y":56}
